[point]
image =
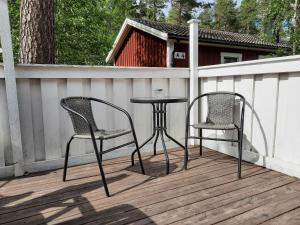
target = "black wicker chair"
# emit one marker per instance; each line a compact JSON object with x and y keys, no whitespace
{"x":220,"y":116}
{"x":80,"y":111}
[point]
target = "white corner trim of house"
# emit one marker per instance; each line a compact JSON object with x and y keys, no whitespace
{"x":128,"y":23}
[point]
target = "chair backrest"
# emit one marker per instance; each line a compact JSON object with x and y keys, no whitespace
{"x":220,"y":107}
{"x":82,"y":106}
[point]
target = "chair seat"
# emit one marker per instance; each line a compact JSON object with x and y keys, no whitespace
{"x":104,"y":134}
{"x":213,"y":126}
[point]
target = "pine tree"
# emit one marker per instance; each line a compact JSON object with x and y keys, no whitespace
{"x":248,"y":17}
{"x":182,"y":11}
{"x":206,"y":18}
{"x":226,"y":15}
{"x":37,"y":32}
{"x":150,"y":9}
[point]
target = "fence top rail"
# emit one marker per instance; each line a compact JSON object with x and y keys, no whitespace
{"x":83,"y":71}
{"x":287,"y":64}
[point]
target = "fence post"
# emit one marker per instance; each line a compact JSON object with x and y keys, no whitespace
{"x":193,"y":50}
{"x":11,"y":89}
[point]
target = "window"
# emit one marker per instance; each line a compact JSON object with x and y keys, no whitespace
{"x":228,"y":57}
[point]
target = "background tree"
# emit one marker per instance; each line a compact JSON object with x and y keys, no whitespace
{"x":248,"y":17}
{"x":37,"y":32}
{"x":152,"y":9}
{"x":206,"y":18}
{"x":182,"y":11}
{"x":226,"y":15}
{"x":276,"y":18}
{"x":295,"y":32}
{"x":85,"y":30}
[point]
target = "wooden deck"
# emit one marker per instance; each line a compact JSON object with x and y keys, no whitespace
{"x":207,"y":193}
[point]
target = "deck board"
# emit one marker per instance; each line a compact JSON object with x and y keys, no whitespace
{"x":207,"y":193}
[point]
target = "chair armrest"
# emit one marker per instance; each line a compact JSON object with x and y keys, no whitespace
{"x":115,"y":107}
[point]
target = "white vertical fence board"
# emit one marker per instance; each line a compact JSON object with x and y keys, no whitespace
{"x":244,"y":86}
{"x":288,"y":123}
{"x":5,"y":144}
{"x":64,"y":118}
{"x":75,"y":88}
{"x":225,"y":84}
{"x":37,"y":119}
{"x":24,"y":96}
{"x":122,"y":92}
{"x":142,"y":113}
{"x":86,"y":91}
{"x":265,"y":93}
{"x":103,"y":119}
{"x":208,"y":85}
{"x":50,"y":99}
{"x":177,"y":111}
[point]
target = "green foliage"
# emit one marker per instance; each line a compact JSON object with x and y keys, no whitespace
{"x":85,"y":30}
{"x":248,"y":17}
{"x":14,"y":16}
{"x":275,"y":19}
{"x":151,"y":9}
{"x":182,"y":11}
{"x":206,"y":18}
{"x":226,"y":15}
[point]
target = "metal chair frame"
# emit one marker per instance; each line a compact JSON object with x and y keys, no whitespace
{"x":101,"y":152}
{"x":240,"y":129}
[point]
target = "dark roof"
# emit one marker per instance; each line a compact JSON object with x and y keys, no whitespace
{"x":212,"y":36}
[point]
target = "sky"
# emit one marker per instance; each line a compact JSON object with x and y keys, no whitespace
{"x":208,"y":1}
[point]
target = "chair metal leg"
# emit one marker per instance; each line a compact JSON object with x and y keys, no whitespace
{"x":101,"y":168}
{"x":67,"y":158}
{"x":240,"y":148}
{"x":165,"y":152}
{"x":139,"y":154}
{"x":101,"y":148}
{"x":200,"y":148}
{"x":155,"y":142}
{"x":186,"y":153}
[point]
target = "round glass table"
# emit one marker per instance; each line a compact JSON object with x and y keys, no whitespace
{"x":159,"y":117}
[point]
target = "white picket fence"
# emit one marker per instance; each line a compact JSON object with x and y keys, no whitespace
{"x":272,"y":116}
{"x":46,"y":127}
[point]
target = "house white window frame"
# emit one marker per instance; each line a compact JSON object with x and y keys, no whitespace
{"x":239,"y":56}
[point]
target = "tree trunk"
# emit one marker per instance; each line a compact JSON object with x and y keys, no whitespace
{"x":37,"y":32}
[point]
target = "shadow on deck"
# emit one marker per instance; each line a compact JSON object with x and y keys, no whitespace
{"x":207,"y":193}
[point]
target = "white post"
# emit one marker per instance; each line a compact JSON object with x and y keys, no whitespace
{"x":11,"y":89}
{"x":170,"y":49}
{"x":193,"y":45}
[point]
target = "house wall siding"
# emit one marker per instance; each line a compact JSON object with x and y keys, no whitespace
{"x":209,"y":55}
{"x":141,"y":49}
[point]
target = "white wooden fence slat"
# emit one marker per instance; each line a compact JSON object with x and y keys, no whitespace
{"x":4,"y":128}
{"x":288,"y":120}
{"x":244,"y":86}
{"x":50,"y":100}
{"x":265,"y":93}
{"x":37,"y":120}
{"x":208,"y":85}
{"x":75,"y":88}
{"x":225,"y":84}
{"x":24,"y":96}
{"x":177,"y":111}
{"x":142,"y":113}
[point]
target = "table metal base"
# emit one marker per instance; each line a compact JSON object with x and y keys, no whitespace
{"x":159,"y":129}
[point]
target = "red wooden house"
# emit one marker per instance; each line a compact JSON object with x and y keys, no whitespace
{"x":143,"y":43}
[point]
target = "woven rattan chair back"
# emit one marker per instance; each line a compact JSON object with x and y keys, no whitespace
{"x":220,"y":108}
{"x":82,"y":106}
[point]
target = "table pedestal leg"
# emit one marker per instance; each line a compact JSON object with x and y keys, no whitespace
{"x":159,"y":128}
